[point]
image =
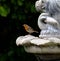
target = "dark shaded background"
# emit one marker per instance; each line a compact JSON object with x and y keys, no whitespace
{"x":13,"y":14}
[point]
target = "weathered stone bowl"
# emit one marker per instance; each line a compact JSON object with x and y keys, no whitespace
{"x":43,"y":48}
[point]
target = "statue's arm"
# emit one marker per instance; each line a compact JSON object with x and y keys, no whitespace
{"x":41,"y":20}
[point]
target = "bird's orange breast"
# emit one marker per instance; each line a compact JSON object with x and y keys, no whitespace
{"x":26,"y":27}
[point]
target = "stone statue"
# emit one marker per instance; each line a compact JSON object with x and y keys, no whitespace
{"x":49,"y":20}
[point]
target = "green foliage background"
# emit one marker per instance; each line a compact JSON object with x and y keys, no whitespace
{"x":13,"y":14}
{"x":17,"y":9}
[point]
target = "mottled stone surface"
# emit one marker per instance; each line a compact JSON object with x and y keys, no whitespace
{"x":34,"y":44}
{"x":45,"y":49}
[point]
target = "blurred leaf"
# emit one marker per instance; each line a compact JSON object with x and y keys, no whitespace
{"x":4,"y":11}
{"x":13,"y":1}
{"x":33,"y":8}
{"x":10,"y":53}
{"x":20,"y":3}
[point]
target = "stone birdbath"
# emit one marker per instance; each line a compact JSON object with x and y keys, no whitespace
{"x":46,"y":47}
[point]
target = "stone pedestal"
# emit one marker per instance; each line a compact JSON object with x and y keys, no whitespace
{"x":45,"y":49}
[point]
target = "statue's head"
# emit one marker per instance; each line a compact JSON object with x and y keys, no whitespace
{"x":40,"y":5}
{"x":51,"y":6}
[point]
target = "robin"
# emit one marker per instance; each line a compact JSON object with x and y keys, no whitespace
{"x":29,"y":29}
